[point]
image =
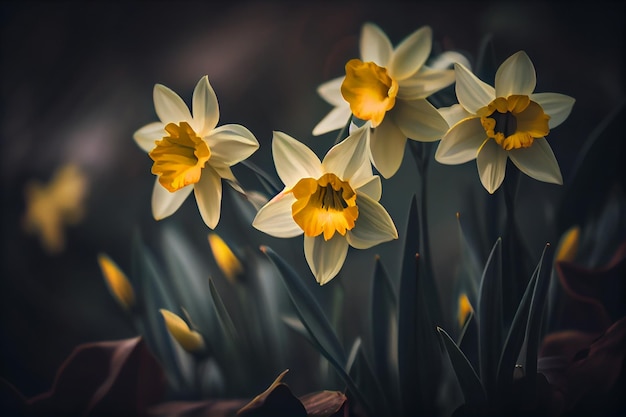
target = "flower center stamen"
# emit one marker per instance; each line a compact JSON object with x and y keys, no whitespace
{"x":179,"y":157}
{"x":370,"y":91}
{"x":514,"y":122}
{"x":326,"y":205}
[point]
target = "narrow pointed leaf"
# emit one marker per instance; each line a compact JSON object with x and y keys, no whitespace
{"x":155,"y":294}
{"x":515,"y":339}
{"x":471,"y":386}
{"x":314,"y":320}
{"x":535,"y":315}
{"x":359,"y":367}
{"x":384,"y":327}
{"x":223,"y":316}
{"x":490,"y":318}
{"x":419,"y":357}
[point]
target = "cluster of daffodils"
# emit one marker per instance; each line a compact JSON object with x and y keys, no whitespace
{"x":334,"y":202}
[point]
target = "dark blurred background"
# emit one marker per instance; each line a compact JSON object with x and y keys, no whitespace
{"x":77,"y":81}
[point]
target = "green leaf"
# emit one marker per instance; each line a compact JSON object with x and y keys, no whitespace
{"x":490,"y":318}
{"x":155,"y":294}
{"x":360,"y":368}
{"x":314,"y":320}
{"x":270,"y":185}
{"x":226,"y":322}
{"x":419,"y":357}
{"x":384,"y":328}
{"x":535,"y":315}
{"x":189,"y":279}
{"x":473,"y":390}
{"x":515,"y":338}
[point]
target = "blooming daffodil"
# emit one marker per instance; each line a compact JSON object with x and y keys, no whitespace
{"x":334,"y":203}
{"x":388,"y":87}
{"x":190,"y":152}
{"x":508,"y":121}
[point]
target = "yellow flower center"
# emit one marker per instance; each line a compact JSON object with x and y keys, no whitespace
{"x":179,"y":157}
{"x":370,"y":91}
{"x":326,"y":205}
{"x":514,"y":122}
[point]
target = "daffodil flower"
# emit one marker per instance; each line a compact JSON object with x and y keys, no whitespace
{"x":388,"y":87}
{"x":334,"y":203}
{"x":508,"y":121}
{"x":190,"y":152}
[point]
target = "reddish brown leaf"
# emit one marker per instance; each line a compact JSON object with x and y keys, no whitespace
{"x":325,"y":404}
{"x":114,"y":377}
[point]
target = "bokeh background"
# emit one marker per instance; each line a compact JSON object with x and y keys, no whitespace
{"x":77,"y":81}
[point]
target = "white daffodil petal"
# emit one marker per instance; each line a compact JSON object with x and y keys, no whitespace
{"x":208,"y":192}
{"x":557,"y":106}
{"x":331,"y":91}
{"x":231,"y":144}
{"x":424,"y":83}
{"x":147,"y":136}
{"x":348,"y":156}
{"x":491,"y":162}
{"x":169,"y":106}
{"x":454,"y":114}
{"x":206,"y":111}
{"x":275,"y":218}
{"x":165,"y":203}
{"x":325,"y":257}
{"x":411,"y":53}
{"x":335,"y":120}
{"x":471,"y":92}
{"x":461,"y":143}
{"x":516,"y":75}
{"x":387,"y":147}
{"x":373,"y":226}
{"x":372,"y":188}
{"x":538,"y":161}
{"x":419,"y":120}
{"x":374,"y":45}
{"x":294,"y":160}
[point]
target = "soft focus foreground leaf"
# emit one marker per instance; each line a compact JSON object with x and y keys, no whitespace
{"x":313,"y":318}
{"x":384,"y":328}
{"x":489,"y":314}
{"x":596,"y":170}
{"x":156,"y":293}
{"x":103,"y":378}
{"x":471,"y":386}
{"x":419,"y":357}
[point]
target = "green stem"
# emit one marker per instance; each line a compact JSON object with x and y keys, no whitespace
{"x":342,"y":132}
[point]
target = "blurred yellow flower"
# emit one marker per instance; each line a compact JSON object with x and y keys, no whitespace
{"x":117,"y":282}
{"x":568,"y":246}
{"x":388,"y":88}
{"x":464,"y":309}
{"x":191,"y":153}
{"x":225,"y":258}
{"x":334,"y":203}
{"x":508,"y":121}
{"x":50,"y":208}
{"x":190,"y":340}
